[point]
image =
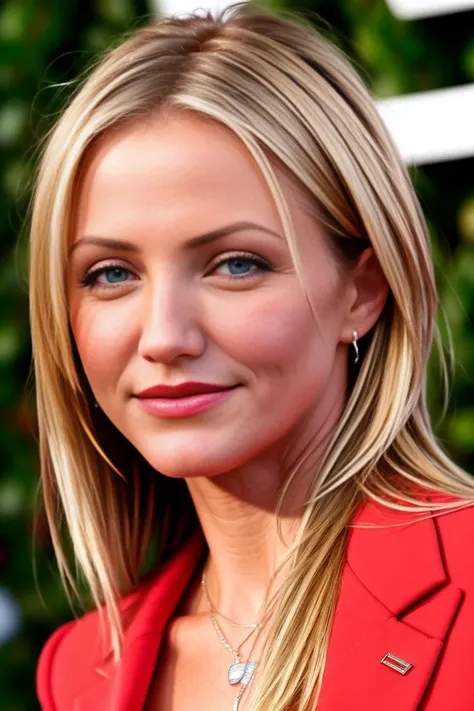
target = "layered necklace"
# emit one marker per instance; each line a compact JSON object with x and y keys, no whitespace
{"x":239,"y":672}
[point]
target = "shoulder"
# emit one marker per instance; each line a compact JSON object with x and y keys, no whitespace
{"x":455,"y":530}
{"x":56,"y":677}
{"x":449,"y":524}
{"x":43,"y":669}
{"x":78,"y":655}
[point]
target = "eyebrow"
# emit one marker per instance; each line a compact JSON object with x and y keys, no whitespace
{"x":194,"y":242}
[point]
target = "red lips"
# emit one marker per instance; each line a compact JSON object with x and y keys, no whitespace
{"x":182,"y":390}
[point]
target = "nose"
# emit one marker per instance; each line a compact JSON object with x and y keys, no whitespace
{"x":169,"y":326}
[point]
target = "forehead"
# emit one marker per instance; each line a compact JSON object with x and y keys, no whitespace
{"x":171,"y":168}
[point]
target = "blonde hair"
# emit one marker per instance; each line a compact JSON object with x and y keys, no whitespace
{"x":292,"y":97}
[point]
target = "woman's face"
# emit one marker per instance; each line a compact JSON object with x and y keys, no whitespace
{"x":149,"y":307}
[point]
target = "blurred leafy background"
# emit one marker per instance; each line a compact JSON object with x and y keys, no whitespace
{"x":44,"y":45}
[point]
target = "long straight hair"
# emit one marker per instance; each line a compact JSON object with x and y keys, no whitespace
{"x":292,"y":98}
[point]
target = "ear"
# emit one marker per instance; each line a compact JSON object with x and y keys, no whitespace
{"x":368,"y":289}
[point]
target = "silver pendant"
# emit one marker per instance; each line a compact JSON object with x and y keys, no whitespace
{"x":241,"y":671}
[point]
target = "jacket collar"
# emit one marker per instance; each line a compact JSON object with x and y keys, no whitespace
{"x":399,"y":560}
{"x":394,"y":598}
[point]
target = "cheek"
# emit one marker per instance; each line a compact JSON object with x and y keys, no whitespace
{"x":292,"y":355}
{"x":277,"y":332}
{"x":103,"y":341}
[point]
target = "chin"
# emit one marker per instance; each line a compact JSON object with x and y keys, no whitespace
{"x":185,"y":464}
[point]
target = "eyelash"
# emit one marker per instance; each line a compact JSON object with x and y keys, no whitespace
{"x":89,"y":280}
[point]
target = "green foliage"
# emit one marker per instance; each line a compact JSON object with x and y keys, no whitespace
{"x":44,"y":45}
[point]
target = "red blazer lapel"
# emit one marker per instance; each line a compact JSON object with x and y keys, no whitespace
{"x":125,"y":687}
{"x":394,"y":598}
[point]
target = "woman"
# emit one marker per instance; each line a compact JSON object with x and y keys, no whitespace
{"x":242,"y":455}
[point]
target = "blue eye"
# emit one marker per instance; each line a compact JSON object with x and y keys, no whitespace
{"x":114,"y":275}
{"x":240,"y":264}
{"x":111,"y":275}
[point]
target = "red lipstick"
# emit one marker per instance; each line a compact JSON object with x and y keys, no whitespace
{"x":182,"y":400}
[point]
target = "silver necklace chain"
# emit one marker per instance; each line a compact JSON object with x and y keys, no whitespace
{"x":213,"y":609}
{"x":239,"y":672}
{"x":225,"y":643}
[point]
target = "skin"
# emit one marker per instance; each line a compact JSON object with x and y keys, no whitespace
{"x":172,"y":315}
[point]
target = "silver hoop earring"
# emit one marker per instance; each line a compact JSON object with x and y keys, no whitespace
{"x":354,"y":343}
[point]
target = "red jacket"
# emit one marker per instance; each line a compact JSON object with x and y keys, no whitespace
{"x":407,"y":591}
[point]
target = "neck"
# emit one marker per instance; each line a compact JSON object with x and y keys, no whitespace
{"x":237,"y":512}
{"x":244,"y":546}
